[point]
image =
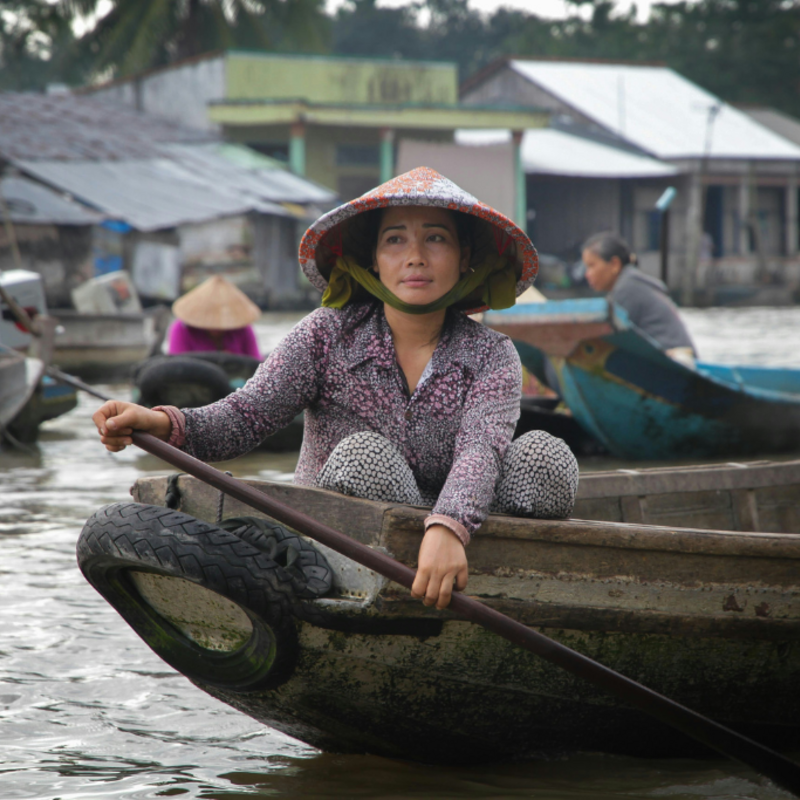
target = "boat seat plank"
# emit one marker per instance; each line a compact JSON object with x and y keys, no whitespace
{"x":778,"y":508}
{"x":705,"y":477}
{"x":760,"y":496}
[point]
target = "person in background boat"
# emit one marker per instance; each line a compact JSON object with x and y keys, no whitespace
{"x":611,"y":268}
{"x":406,"y":399}
{"x":216,"y":315}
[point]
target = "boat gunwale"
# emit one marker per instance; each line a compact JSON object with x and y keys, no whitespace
{"x":569,"y":532}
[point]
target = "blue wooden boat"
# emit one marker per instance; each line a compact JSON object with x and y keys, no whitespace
{"x":640,"y":403}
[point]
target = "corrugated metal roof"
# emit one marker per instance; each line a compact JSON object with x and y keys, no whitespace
{"x":546,"y":151}
{"x":69,"y":127}
{"x":30,"y":203}
{"x":150,"y":173}
{"x":776,"y":121}
{"x":148,"y":195}
{"x":226,"y":167}
{"x":656,"y":109}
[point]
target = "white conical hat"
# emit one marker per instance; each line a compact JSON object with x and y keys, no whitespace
{"x":216,"y":304}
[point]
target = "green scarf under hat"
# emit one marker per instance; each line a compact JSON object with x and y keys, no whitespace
{"x":496,"y":274}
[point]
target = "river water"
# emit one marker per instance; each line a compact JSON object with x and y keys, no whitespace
{"x":88,"y":711}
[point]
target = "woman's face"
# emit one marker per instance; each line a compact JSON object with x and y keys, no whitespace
{"x":418,"y":256}
{"x":601,"y":274}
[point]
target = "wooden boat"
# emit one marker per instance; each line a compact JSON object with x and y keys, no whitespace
{"x":106,"y":346}
{"x":50,"y":399}
{"x":28,"y":397}
{"x":641,"y":404}
{"x":18,"y":379}
{"x":108,"y":332}
{"x":709,"y":618}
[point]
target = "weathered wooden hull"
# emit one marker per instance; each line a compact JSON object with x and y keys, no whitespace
{"x":757,"y":496}
{"x":100,"y":346}
{"x":641,"y":404}
{"x":18,"y":379}
{"x":28,"y":396}
{"x":711,"y":619}
{"x":50,"y":399}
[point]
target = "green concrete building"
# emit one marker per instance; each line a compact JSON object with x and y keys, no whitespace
{"x":335,"y":120}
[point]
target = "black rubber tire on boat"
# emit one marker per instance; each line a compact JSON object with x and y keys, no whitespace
{"x":234,"y":365}
{"x":124,"y":544}
{"x":305,"y":566}
{"x":182,"y":381}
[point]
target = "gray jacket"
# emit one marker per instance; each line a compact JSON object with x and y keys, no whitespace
{"x":650,"y":308}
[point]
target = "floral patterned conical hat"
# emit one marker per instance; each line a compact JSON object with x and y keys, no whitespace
{"x":339,"y":232}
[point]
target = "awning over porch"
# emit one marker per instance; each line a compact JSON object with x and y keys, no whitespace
{"x":410,"y":116}
{"x":548,"y":151}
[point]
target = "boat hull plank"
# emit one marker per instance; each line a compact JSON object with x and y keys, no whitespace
{"x":761,"y":496}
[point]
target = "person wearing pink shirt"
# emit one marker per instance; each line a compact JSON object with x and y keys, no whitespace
{"x":214,"y":316}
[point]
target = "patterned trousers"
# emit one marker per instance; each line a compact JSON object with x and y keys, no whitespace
{"x":539,"y":475}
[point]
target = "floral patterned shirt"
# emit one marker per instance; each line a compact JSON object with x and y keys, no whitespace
{"x":340,"y":367}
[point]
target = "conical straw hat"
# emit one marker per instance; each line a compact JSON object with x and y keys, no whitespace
{"x":337,"y":232}
{"x":216,"y":304}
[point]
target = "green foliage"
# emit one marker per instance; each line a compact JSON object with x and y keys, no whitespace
{"x":37,"y":46}
{"x":137,"y":35}
{"x":745,"y":51}
{"x":140,"y":34}
{"x":365,"y":30}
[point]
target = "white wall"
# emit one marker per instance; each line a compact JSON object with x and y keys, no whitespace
{"x":180,"y":94}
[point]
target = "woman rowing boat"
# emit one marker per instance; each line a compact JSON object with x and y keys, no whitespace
{"x":406,"y":399}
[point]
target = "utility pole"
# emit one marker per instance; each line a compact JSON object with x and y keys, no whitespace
{"x":662,"y":205}
{"x":694,"y":215}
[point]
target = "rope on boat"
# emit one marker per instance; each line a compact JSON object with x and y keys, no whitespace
{"x":221,"y":501}
{"x":172,"y":496}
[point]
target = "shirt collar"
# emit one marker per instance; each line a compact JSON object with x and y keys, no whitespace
{"x":371,"y":340}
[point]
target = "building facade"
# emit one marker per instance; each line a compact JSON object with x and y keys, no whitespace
{"x":734,"y":221}
{"x":338,"y":121}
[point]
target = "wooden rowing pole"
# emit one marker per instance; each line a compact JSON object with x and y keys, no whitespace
{"x":779,"y":769}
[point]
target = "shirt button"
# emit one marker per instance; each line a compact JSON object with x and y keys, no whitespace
{"x":408,"y":413}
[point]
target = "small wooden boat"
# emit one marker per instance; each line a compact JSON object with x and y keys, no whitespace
{"x":709,"y":618}
{"x":18,"y":379}
{"x":108,"y":332}
{"x":28,"y":397}
{"x":49,"y":399}
{"x":640,"y":403}
{"x":106,"y":346}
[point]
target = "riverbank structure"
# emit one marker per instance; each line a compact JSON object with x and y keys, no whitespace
{"x":621,"y":134}
{"x":339,"y":121}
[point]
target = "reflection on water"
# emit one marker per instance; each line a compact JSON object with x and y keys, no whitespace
{"x":88,"y":711}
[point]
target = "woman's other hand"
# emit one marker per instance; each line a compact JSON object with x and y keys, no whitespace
{"x":442,"y":563}
{"x":116,"y":420}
